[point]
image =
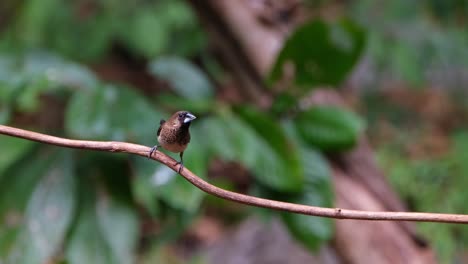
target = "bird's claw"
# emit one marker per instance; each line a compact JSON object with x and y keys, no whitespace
{"x":181,"y":167}
{"x":153,"y":149}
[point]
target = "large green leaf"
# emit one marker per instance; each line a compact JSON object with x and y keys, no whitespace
{"x":118,"y":223}
{"x":22,"y":234}
{"x":16,"y":147}
{"x":53,"y":201}
{"x":145,"y":33}
{"x":16,"y":189}
{"x":106,"y":229}
{"x":20,"y":180}
{"x":262,"y":147}
{"x":270,"y":130}
{"x":329,"y":128}
{"x":57,"y":71}
{"x":179,"y":193}
{"x":100,"y":30}
{"x":33,"y":19}
{"x":24,"y":79}
{"x":185,"y":78}
{"x":8,"y":236}
{"x":144,"y":190}
{"x":309,"y":230}
{"x":112,"y":113}
{"x":321,"y":53}
{"x":86,"y":242}
{"x":5,"y":113}
{"x":145,"y":28}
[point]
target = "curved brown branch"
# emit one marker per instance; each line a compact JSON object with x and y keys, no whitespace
{"x":338,"y":213}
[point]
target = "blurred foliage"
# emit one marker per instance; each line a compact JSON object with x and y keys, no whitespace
{"x":424,"y":156}
{"x":146,"y":28}
{"x":179,"y":72}
{"x":109,"y":112}
{"x":419,"y":43}
{"x":99,"y":201}
{"x":434,"y":185}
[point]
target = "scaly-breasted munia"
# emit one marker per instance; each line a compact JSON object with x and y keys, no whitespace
{"x":174,"y":134}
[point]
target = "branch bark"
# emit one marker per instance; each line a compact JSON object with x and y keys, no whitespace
{"x":338,"y":213}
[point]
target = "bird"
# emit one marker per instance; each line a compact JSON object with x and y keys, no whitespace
{"x":174,"y":135}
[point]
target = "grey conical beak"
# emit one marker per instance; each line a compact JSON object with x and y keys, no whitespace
{"x":188,"y":118}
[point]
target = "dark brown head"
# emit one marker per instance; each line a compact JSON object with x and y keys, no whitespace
{"x":182,"y":118}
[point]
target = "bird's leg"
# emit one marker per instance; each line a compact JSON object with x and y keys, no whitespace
{"x":181,"y":162}
{"x":153,"y":149}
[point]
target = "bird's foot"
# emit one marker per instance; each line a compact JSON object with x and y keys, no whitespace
{"x":153,"y":149}
{"x":181,"y":167}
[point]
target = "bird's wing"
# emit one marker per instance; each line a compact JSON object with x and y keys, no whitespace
{"x":160,"y":126}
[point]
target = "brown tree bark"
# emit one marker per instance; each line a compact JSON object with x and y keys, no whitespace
{"x":248,"y":34}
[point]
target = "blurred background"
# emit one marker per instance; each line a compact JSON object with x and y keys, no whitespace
{"x":353,"y":104}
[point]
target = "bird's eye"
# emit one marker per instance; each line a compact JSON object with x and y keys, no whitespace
{"x":181,"y":114}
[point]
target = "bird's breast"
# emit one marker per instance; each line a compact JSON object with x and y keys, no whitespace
{"x":174,"y":140}
{"x":172,"y":146}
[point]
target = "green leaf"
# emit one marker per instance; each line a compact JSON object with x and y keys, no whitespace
{"x":283,"y":103}
{"x":19,"y":181}
{"x":176,"y":14}
{"x":321,"y":53}
{"x":317,"y":191}
{"x":8,"y":237}
{"x":187,"y":38}
{"x":112,"y":113}
{"x":317,"y":175}
{"x":16,"y":187}
{"x":311,"y":231}
{"x":270,"y":130}
{"x":33,"y":19}
{"x":28,"y":100}
{"x":100,"y":30}
{"x":185,"y":78}
{"x":143,"y":188}
{"x":145,"y":33}
{"x":118,"y":223}
{"x":15,"y":148}
{"x":86,"y":243}
{"x":57,"y":71}
{"x":329,"y":128}
{"x":179,"y":193}
{"x":106,"y":230}
{"x":53,"y":201}
{"x":23,"y":79}
{"x":261,"y":147}
{"x":5,"y":113}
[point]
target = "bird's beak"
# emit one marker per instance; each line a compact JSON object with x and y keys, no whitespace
{"x":188,"y":118}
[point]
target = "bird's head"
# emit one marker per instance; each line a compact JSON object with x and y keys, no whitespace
{"x":183,"y":117}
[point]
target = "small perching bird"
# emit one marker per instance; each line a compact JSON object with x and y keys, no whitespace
{"x":174,"y":134}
